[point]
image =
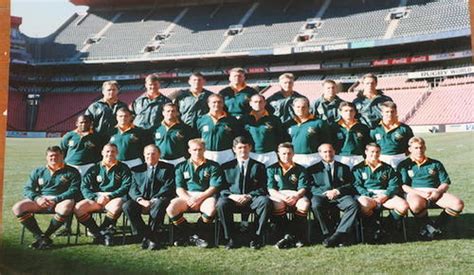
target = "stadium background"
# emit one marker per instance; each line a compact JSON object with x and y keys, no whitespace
{"x":420,"y":49}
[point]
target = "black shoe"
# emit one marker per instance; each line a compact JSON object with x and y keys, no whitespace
{"x":64,"y":232}
{"x":428,"y":232}
{"x":334,"y":240}
{"x":145,"y":243}
{"x":286,"y":242}
{"x":195,"y":240}
{"x":45,"y":243}
{"x":108,"y":239}
{"x":230,"y":244}
{"x":255,"y":244}
{"x":154,"y":245}
{"x":179,"y":242}
{"x":36,"y":243}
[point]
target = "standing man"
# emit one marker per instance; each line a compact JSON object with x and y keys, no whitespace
{"x":246,"y":191}
{"x":81,"y":146}
{"x":378,"y":185}
{"x":172,"y":136}
{"x":392,"y":135}
{"x":349,"y":136}
{"x":368,"y":101}
{"x":426,"y":182}
{"x":218,"y":129}
{"x":192,"y":103}
{"x":197,"y":181}
{"x":332,"y":189}
{"x":326,"y":107}
{"x":148,"y":107}
{"x":287,"y":186}
{"x":281,"y":103}
{"x":104,"y":186}
{"x":265,"y":130}
{"x":129,"y":139}
{"x":237,"y":94}
{"x":307,"y":133}
{"x":103,"y":111}
{"x":54,"y":188}
{"x":151,"y":192}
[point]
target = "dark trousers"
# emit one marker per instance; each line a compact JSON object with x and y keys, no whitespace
{"x":226,"y":207}
{"x":157,"y":212}
{"x":321,"y":205}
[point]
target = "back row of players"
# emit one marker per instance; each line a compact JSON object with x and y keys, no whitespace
{"x":305,"y":148}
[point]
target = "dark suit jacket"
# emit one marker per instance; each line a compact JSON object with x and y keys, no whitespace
{"x":163,"y":184}
{"x":342,"y":179}
{"x":255,"y":180}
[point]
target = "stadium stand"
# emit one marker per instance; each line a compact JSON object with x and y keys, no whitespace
{"x":446,"y":105}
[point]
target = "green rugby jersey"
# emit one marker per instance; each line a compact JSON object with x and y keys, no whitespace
{"x":293,"y":179}
{"x":384,"y":177}
{"x":64,"y":183}
{"x":81,"y":149}
{"x":218,"y":134}
{"x":130,"y":142}
{"x":282,"y":106}
{"x":349,"y":140}
{"x":266,"y":133}
{"x":104,"y":116}
{"x":237,"y":103}
{"x":173,"y":140}
{"x":327,"y":110}
{"x":369,"y":112}
{"x":192,"y":107}
{"x":199,"y":179}
{"x":428,"y":174}
{"x":393,"y":141}
{"x":307,"y":136}
{"x":116,"y":180}
{"x":148,"y":112}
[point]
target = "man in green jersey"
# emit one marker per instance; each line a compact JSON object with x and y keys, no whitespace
{"x":197,"y":181}
{"x":280,"y":103}
{"x":391,"y":135}
{"x":147,"y":108}
{"x":237,"y":94}
{"x":52,"y":188}
{"x":104,"y":187}
{"x":426,"y":183}
{"x":326,"y":107}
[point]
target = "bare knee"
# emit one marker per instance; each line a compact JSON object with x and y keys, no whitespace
{"x":17,"y":209}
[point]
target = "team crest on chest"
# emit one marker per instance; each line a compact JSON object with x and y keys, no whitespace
{"x":133,"y":138}
{"x":268,"y":126}
{"x":89,"y":144}
{"x":117,"y":177}
{"x":179,"y":135}
{"x":293,"y":178}
{"x":227,"y":128}
{"x":63,"y":179}
{"x":432,"y":172}
{"x":384,"y":177}
{"x":206,"y":174}
{"x":398,"y":136}
{"x":311,"y":130}
{"x":359,"y":135}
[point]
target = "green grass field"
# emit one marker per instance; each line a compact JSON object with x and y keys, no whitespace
{"x":453,"y":254}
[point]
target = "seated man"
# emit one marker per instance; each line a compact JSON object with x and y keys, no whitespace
{"x":265,"y":130}
{"x":246,"y":191}
{"x":172,"y":136}
{"x":426,"y":182}
{"x":349,"y":136}
{"x":287,"y":184}
{"x":53,"y":187}
{"x":129,"y":139}
{"x":197,"y":181}
{"x":378,"y":185}
{"x":104,"y":186}
{"x":391,"y":135}
{"x":151,"y":191}
{"x":332,"y":188}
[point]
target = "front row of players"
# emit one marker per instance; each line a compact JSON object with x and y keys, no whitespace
{"x":202,"y":185}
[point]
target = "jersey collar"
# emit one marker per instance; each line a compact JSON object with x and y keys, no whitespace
{"x":419,"y":163}
{"x":299,"y":121}
{"x":169,"y":126}
{"x":254,"y":114}
{"x":347,"y":126}
{"x":108,"y":166}
{"x":215,"y":119}
{"x":196,"y":165}
{"x":123,"y":130}
{"x":372,"y":167}
{"x":286,"y":167}
{"x":54,"y":170}
{"x":391,"y":127}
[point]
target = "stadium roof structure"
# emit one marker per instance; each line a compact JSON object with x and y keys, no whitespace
{"x":122,"y":3}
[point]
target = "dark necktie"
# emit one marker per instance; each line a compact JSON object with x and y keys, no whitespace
{"x":242,"y":179}
{"x":328,"y":170}
{"x":150,"y":181}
